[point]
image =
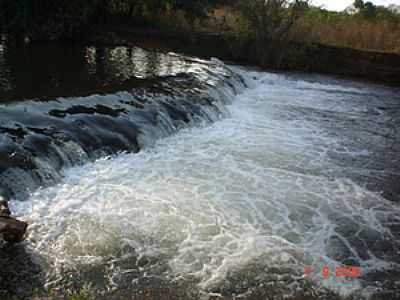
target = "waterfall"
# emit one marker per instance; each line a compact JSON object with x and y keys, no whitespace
{"x":39,"y":139}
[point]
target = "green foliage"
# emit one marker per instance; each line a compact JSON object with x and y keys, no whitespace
{"x":80,"y":297}
{"x":358,"y":4}
{"x":269,"y":23}
{"x":50,"y":19}
{"x":272,"y":19}
{"x":367,"y":9}
{"x":367,"y":27}
{"x":370,"y":11}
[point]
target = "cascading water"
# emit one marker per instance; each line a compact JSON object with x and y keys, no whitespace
{"x":39,"y":139}
{"x":292,"y":172}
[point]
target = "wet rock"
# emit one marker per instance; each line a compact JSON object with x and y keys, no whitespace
{"x":20,"y":273}
{"x":13,"y":230}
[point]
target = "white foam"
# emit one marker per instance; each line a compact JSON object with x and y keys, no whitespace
{"x":212,"y":200}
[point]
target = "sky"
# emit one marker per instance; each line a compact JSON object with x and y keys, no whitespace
{"x":342,"y":4}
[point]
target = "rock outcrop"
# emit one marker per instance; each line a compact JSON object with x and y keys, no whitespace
{"x":12,"y":230}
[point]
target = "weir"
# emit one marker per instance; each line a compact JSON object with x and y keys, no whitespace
{"x":39,"y":139}
{"x":204,"y":179}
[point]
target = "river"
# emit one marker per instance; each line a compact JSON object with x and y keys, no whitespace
{"x":175,"y":177}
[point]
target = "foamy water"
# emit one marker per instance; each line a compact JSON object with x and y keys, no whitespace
{"x":249,"y":201}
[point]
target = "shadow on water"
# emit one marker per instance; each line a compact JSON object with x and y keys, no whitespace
{"x":20,"y":273}
{"x":48,"y":70}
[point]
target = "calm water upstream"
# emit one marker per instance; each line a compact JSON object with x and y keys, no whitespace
{"x":150,"y":172}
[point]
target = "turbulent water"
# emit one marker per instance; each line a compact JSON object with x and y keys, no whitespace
{"x":244,"y":180}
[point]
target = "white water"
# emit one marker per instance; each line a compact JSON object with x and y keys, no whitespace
{"x":258,"y":188}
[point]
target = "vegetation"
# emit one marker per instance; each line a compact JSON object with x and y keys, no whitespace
{"x":366,"y":26}
{"x":54,"y":19}
{"x":269,"y":24}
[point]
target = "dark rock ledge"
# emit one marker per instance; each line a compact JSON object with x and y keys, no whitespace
{"x":12,"y":230}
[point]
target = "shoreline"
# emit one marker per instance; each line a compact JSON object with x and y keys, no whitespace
{"x":346,"y":63}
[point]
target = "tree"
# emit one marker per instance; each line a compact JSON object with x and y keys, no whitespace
{"x":359,"y":4}
{"x":365,"y":9}
{"x":270,"y":22}
{"x":369,"y":10}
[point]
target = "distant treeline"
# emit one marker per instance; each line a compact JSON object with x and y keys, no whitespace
{"x":53,"y":19}
{"x":363,"y":26}
{"x":268,"y":22}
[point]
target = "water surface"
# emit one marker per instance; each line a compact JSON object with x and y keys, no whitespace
{"x":279,"y":173}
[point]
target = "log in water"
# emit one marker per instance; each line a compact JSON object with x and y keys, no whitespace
{"x":211,"y":180}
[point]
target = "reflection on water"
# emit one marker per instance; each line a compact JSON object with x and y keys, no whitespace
{"x":52,"y":70}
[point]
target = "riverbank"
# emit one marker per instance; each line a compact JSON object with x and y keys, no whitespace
{"x":379,"y":67}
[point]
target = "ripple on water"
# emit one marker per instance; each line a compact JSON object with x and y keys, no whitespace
{"x":238,"y":207}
